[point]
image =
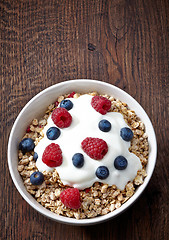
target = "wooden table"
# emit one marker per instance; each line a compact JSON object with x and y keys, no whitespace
{"x":124,"y":43}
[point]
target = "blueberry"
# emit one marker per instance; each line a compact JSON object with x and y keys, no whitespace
{"x":126,"y":133}
{"x":120,"y":163}
{"x":104,"y":125}
{"x":53,"y":133}
{"x":102,"y":172}
{"x":26,"y":145}
{"x":35,"y":156}
{"x":78,"y":160}
{"x":37,"y":178}
{"x":66,"y":104}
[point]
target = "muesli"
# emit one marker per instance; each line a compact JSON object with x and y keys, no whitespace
{"x":81,"y":181}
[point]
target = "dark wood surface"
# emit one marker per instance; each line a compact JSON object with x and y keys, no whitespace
{"x":125,"y":43}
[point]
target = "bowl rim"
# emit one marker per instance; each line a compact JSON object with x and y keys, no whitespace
{"x":72,"y":221}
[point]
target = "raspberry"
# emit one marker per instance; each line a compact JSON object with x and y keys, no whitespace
{"x":61,"y":117}
{"x":70,"y":197}
{"x":101,"y":104}
{"x":95,"y":148}
{"x":52,"y":155}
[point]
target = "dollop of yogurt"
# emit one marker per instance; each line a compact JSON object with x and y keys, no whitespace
{"x":85,"y":121}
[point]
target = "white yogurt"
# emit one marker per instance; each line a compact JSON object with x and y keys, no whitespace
{"x":85,"y":120}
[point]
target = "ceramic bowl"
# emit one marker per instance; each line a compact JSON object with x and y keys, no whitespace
{"x":36,"y":107}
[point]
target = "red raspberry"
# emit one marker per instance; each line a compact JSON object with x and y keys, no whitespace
{"x":61,"y":117}
{"x":101,"y":104}
{"x":70,"y":197}
{"x":95,"y":148}
{"x":52,"y":155}
{"x":71,"y":95}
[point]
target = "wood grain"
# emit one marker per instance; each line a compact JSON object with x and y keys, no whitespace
{"x":125,"y":43}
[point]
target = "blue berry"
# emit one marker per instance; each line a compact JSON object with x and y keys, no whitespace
{"x":126,"y":133}
{"x":53,"y":133}
{"x":102,"y":172}
{"x":78,"y":160}
{"x":120,"y":163}
{"x":26,"y":145}
{"x":35,"y":156}
{"x":66,"y":104}
{"x":37,"y":178}
{"x":104,"y":125}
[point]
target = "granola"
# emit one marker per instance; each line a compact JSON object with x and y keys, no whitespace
{"x":100,"y":198}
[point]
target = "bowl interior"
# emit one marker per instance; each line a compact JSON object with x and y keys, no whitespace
{"x":36,"y":107}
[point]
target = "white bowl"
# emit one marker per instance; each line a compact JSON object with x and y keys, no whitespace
{"x":35,"y":109}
